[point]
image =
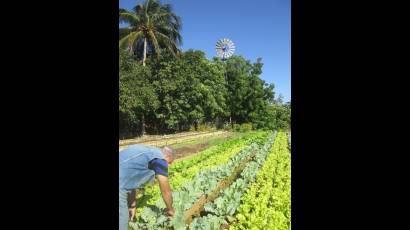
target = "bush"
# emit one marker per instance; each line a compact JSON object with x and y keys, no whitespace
{"x":243,"y":127}
{"x":202,"y":127}
{"x":228,"y":127}
{"x":246,"y":127}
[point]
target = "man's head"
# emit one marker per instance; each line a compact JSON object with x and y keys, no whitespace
{"x":168,"y":154}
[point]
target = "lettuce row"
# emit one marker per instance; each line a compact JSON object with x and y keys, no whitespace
{"x":266,"y":204}
{"x":204,"y":182}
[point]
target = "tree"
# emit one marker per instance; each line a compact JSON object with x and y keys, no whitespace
{"x":280,"y":99}
{"x":237,"y":70}
{"x":248,"y":95}
{"x":282,"y":113}
{"x":191,"y":89}
{"x":137,"y":97}
{"x":151,"y":27}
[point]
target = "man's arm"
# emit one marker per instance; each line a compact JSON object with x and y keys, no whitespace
{"x":132,"y":203}
{"x":132,"y":199}
{"x":166,"y":193}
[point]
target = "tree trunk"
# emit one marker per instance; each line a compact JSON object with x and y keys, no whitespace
{"x":131,"y":50}
{"x":143,"y":124}
{"x":145,"y":52}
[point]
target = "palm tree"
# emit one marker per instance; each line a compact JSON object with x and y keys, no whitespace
{"x":151,"y":25}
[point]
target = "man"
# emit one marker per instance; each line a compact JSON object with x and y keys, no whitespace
{"x":138,"y":165}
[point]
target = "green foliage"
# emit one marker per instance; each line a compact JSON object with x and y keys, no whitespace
{"x":209,"y":222}
{"x":183,"y":171}
{"x":137,"y":96}
{"x":266,"y":204}
{"x":151,"y":27}
{"x":225,"y":206}
{"x":204,"y":182}
{"x":189,"y":92}
{"x":246,"y":127}
{"x":186,"y":91}
{"x":258,"y":199}
{"x":282,"y":115}
{"x":248,"y":95}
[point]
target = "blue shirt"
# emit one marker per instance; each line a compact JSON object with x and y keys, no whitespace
{"x":134,"y":169}
{"x":160,"y":166}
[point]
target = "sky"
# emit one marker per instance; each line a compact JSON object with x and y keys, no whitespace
{"x":258,"y":28}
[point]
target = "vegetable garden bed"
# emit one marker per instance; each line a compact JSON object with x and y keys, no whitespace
{"x":212,"y":191}
{"x":198,"y":207}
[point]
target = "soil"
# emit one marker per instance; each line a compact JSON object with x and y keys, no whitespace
{"x":224,"y":226}
{"x":189,"y":150}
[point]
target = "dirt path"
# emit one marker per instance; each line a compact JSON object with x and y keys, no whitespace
{"x":153,"y":138}
{"x":172,"y":140}
{"x":187,"y":152}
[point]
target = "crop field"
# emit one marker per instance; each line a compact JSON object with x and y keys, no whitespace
{"x":243,"y":183}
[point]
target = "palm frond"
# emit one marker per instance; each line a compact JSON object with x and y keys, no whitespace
{"x":167,"y":42}
{"x":129,"y":40}
{"x":128,"y":17}
{"x":124,"y":41}
{"x":124,"y":32}
{"x":121,"y":10}
{"x":167,"y":7}
{"x":153,"y":5}
{"x":170,"y":32}
{"x":138,"y":8}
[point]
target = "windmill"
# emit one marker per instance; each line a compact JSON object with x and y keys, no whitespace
{"x":225,"y":49}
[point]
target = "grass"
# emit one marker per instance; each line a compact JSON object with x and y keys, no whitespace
{"x":210,"y":140}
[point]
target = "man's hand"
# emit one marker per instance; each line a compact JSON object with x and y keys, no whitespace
{"x":132,"y":212}
{"x":171,"y":212}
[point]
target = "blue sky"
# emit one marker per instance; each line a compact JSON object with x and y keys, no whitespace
{"x":259,"y":28}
